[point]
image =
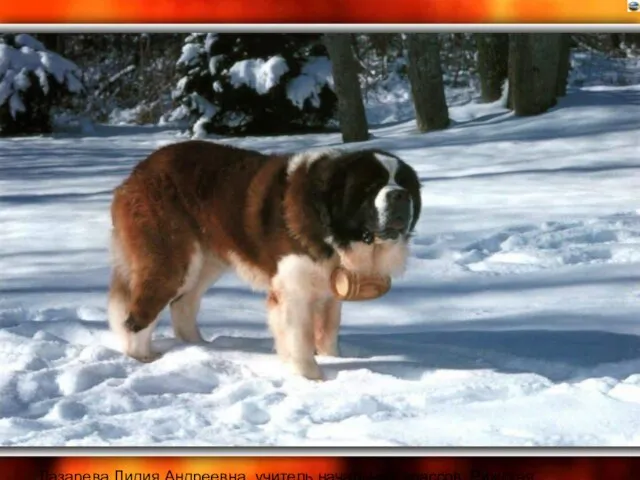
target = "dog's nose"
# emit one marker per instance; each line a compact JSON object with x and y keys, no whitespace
{"x":398,"y":221}
{"x":399,"y":203}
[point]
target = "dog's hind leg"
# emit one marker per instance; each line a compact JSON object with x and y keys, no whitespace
{"x":153,"y":286}
{"x":143,"y":284}
{"x":148,"y":298}
{"x":185,"y":307}
{"x":134,"y":335}
{"x":118,"y":307}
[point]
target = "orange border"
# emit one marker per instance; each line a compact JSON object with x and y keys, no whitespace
{"x":327,"y":11}
{"x":320,"y":468}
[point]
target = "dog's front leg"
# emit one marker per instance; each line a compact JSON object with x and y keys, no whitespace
{"x":299,"y":342}
{"x":292,"y":302}
{"x":326,"y":327}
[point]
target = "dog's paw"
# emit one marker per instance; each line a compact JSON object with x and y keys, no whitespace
{"x":131,"y":324}
{"x":148,"y":358}
{"x":309,"y":370}
{"x":328,"y":351}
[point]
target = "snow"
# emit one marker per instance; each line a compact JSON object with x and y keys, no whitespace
{"x":207,"y":109}
{"x":71,"y":122}
{"x":516,"y":324}
{"x":594,"y":69}
{"x":213,"y":63}
{"x":24,"y":40}
{"x":199,"y":128}
{"x":258,"y":74}
{"x":180,"y":86}
{"x":118,"y":75}
{"x":210,"y":40}
{"x":16,"y":105}
{"x":314,"y":75}
{"x":6,"y":87}
{"x":21,"y":80}
{"x":62,"y":70}
{"x":17,"y":64}
{"x":190,"y":54}
{"x":174,"y":117}
{"x":43,"y":80}
{"x":126,"y":116}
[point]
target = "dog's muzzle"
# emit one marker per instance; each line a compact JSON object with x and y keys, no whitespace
{"x":395,"y":218}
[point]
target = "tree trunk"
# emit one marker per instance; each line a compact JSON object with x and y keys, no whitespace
{"x":353,"y":122}
{"x":425,"y":76}
{"x":547,"y":59}
{"x":493,"y":63}
{"x":615,"y":40}
{"x":564,"y":64}
{"x":533,"y":72}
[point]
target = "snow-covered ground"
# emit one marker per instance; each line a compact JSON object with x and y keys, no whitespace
{"x":518,"y":322}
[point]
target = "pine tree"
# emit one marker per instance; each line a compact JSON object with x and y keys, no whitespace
{"x":33,"y":80}
{"x":125,"y":71}
{"x":255,"y":83}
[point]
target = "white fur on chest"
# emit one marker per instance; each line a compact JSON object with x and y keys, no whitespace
{"x":303,"y":277}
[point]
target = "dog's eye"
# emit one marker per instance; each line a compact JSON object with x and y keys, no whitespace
{"x":372,"y":189}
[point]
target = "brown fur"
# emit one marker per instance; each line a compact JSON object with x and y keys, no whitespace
{"x":193,"y":209}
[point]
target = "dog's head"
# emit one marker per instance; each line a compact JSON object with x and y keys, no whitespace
{"x":371,"y":196}
{"x":365,"y":198}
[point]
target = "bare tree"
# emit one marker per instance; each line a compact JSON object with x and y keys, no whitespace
{"x":616,"y":41}
{"x":533,"y":72}
{"x":546,"y":48}
{"x":425,"y":75}
{"x":353,"y":122}
{"x":493,"y":63}
{"x":564,"y":64}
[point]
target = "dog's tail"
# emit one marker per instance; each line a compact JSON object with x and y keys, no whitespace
{"x":119,"y":292}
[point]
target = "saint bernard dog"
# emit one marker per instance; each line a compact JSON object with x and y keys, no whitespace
{"x":192,"y":210}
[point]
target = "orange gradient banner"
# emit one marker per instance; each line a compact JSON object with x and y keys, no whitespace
{"x":319,"y":468}
{"x":326,"y":11}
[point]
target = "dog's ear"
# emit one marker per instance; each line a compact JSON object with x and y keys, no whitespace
{"x":408,"y":178}
{"x":345,"y":196}
{"x":328,"y":183}
{"x":318,"y":202}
